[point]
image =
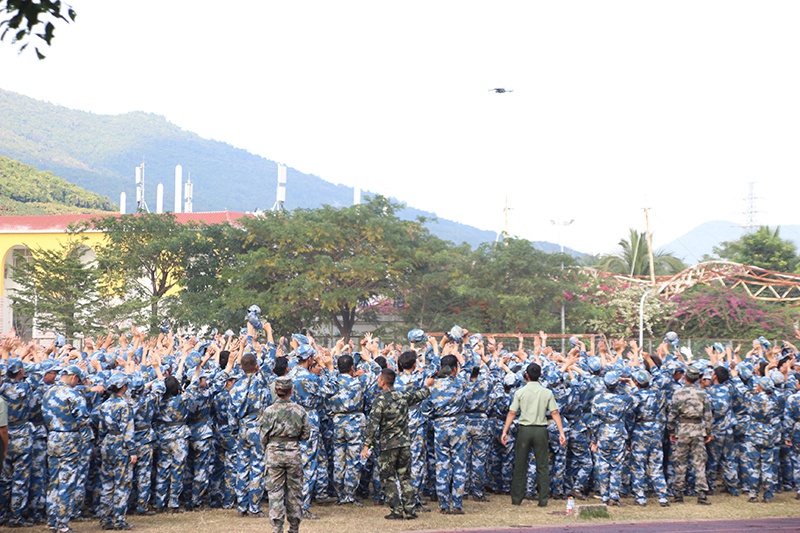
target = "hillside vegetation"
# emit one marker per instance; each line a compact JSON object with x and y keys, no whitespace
{"x":27,"y":191}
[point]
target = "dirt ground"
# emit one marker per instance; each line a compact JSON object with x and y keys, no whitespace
{"x":497,"y":513}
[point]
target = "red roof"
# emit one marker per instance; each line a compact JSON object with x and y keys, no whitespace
{"x":59,"y":223}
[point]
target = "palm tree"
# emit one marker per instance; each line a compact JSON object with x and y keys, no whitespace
{"x":633,"y":259}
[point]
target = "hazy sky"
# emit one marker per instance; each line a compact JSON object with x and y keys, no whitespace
{"x":676,"y":106}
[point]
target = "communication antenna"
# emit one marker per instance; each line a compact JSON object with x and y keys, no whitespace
{"x":280,"y":195}
{"x":188,"y":192}
{"x":141,"y":203}
{"x":750,"y":211}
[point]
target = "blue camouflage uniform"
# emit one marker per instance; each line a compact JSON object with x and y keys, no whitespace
{"x":200,"y":441}
{"x":223,"y":478}
{"x":65,"y":413}
{"x":115,"y":431}
{"x":346,"y":406}
{"x":721,"y":450}
{"x":791,"y":425}
{"x":448,"y":401}
{"x":478,"y":431}
{"x":760,"y":439}
{"x":15,"y":479}
{"x":648,"y":418}
{"x":249,"y":396}
{"x":144,"y":408}
{"x":609,"y":413}
{"x":309,"y":390}
{"x":172,"y":433}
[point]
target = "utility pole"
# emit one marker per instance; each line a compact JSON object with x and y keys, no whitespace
{"x":650,"y":246}
{"x":563,"y":224}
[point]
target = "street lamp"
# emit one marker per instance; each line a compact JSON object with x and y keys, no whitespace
{"x":563,"y":224}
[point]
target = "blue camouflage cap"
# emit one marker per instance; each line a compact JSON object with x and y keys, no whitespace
{"x":417,"y":335}
{"x":74,"y":370}
{"x":764,"y":342}
{"x":118,"y":380}
{"x":304,"y":351}
{"x":456,"y":333}
{"x":766,"y":384}
{"x":611,"y":379}
{"x":475,"y":339}
{"x":14,"y":365}
{"x":745,"y":371}
{"x":594,"y":363}
{"x":300,"y":338}
{"x":642,"y":377}
{"x":777,"y":377}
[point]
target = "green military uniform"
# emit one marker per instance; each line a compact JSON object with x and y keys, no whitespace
{"x":389,"y":415}
{"x":284,"y":424}
{"x":690,"y":421}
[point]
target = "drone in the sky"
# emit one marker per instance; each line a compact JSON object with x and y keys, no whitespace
{"x":501,"y":90}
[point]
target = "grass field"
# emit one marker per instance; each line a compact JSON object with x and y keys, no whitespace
{"x":498,"y":512}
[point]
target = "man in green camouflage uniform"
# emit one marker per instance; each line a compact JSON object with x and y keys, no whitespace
{"x":690,"y":424}
{"x":389,"y":418}
{"x":284,"y":425}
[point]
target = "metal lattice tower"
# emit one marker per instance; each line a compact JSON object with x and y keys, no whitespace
{"x":750,"y":211}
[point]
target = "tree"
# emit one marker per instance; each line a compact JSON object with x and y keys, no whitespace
{"x":59,"y":287}
{"x":331,"y":262}
{"x":633,"y":260}
{"x":721,"y":312}
{"x":146,"y":257}
{"x":510,"y":286}
{"x":26,"y":17}
{"x":762,"y":248}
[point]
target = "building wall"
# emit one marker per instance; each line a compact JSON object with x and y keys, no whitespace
{"x":49,"y":240}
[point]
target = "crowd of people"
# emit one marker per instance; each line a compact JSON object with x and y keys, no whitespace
{"x":140,"y":425}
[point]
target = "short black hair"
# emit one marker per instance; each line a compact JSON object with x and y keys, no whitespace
{"x":407,"y":360}
{"x":249,"y":363}
{"x":281,"y":366}
{"x":449,"y":360}
{"x":381,"y":361}
{"x":172,"y":385}
{"x":345,"y":364}
{"x":722,"y":374}
{"x":223,"y":358}
{"x":388,"y":376}
{"x":534,"y":372}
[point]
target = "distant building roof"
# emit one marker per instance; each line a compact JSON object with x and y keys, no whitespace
{"x":59,"y":223}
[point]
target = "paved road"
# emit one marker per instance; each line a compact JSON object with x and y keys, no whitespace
{"x":778,"y":525}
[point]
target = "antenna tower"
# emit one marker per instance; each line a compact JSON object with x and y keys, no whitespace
{"x":750,"y":212}
{"x":280,"y":195}
{"x":141,"y":203}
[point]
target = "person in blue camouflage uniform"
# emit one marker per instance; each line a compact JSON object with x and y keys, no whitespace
{"x":44,"y":376}
{"x":648,"y":416}
{"x":200,"y":441}
{"x":346,"y":406}
{"x":609,"y":435}
{"x":249,"y":396}
{"x":485,"y":375}
{"x":721,"y":453}
{"x":145,"y":396}
{"x":64,"y":411}
{"x":309,"y":390}
{"x":172,"y":433}
{"x":115,"y":432}
{"x":448,"y":400}
{"x":742,"y":382}
{"x":502,"y":458}
{"x":223,"y":479}
{"x":760,"y":440}
{"x":19,"y":394}
{"x":791,"y":426}
{"x":564,"y":395}
{"x":407,"y":379}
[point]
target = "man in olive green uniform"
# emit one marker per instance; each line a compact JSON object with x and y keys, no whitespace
{"x":533,"y":403}
{"x":284,"y":425}
{"x":389,"y":416}
{"x":690,"y":424}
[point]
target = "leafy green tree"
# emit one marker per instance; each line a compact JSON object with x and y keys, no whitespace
{"x":60,"y":287}
{"x":146,"y":257}
{"x":27,"y":17}
{"x":633,"y":260}
{"x":614,"y":310}
{"x":511,"y":286}
{"x":762,"y":248}
{"x":327,"y":262}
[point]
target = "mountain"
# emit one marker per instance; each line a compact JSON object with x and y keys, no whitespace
{"x":100,"y":153}
{"x":700,"y":241}
{"x":27,"y":191}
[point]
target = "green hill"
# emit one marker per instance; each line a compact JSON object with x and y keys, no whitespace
{"x":27,"y":191}
{"x":100,"y":153}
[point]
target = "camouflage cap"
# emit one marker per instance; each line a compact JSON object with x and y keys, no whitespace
{"x":283,"y":384}
{"x":692,"y":373}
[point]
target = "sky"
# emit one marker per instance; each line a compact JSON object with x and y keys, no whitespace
{"x":616,"y":106}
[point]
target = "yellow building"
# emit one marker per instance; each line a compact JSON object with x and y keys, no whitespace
{"x":19,"y":234}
